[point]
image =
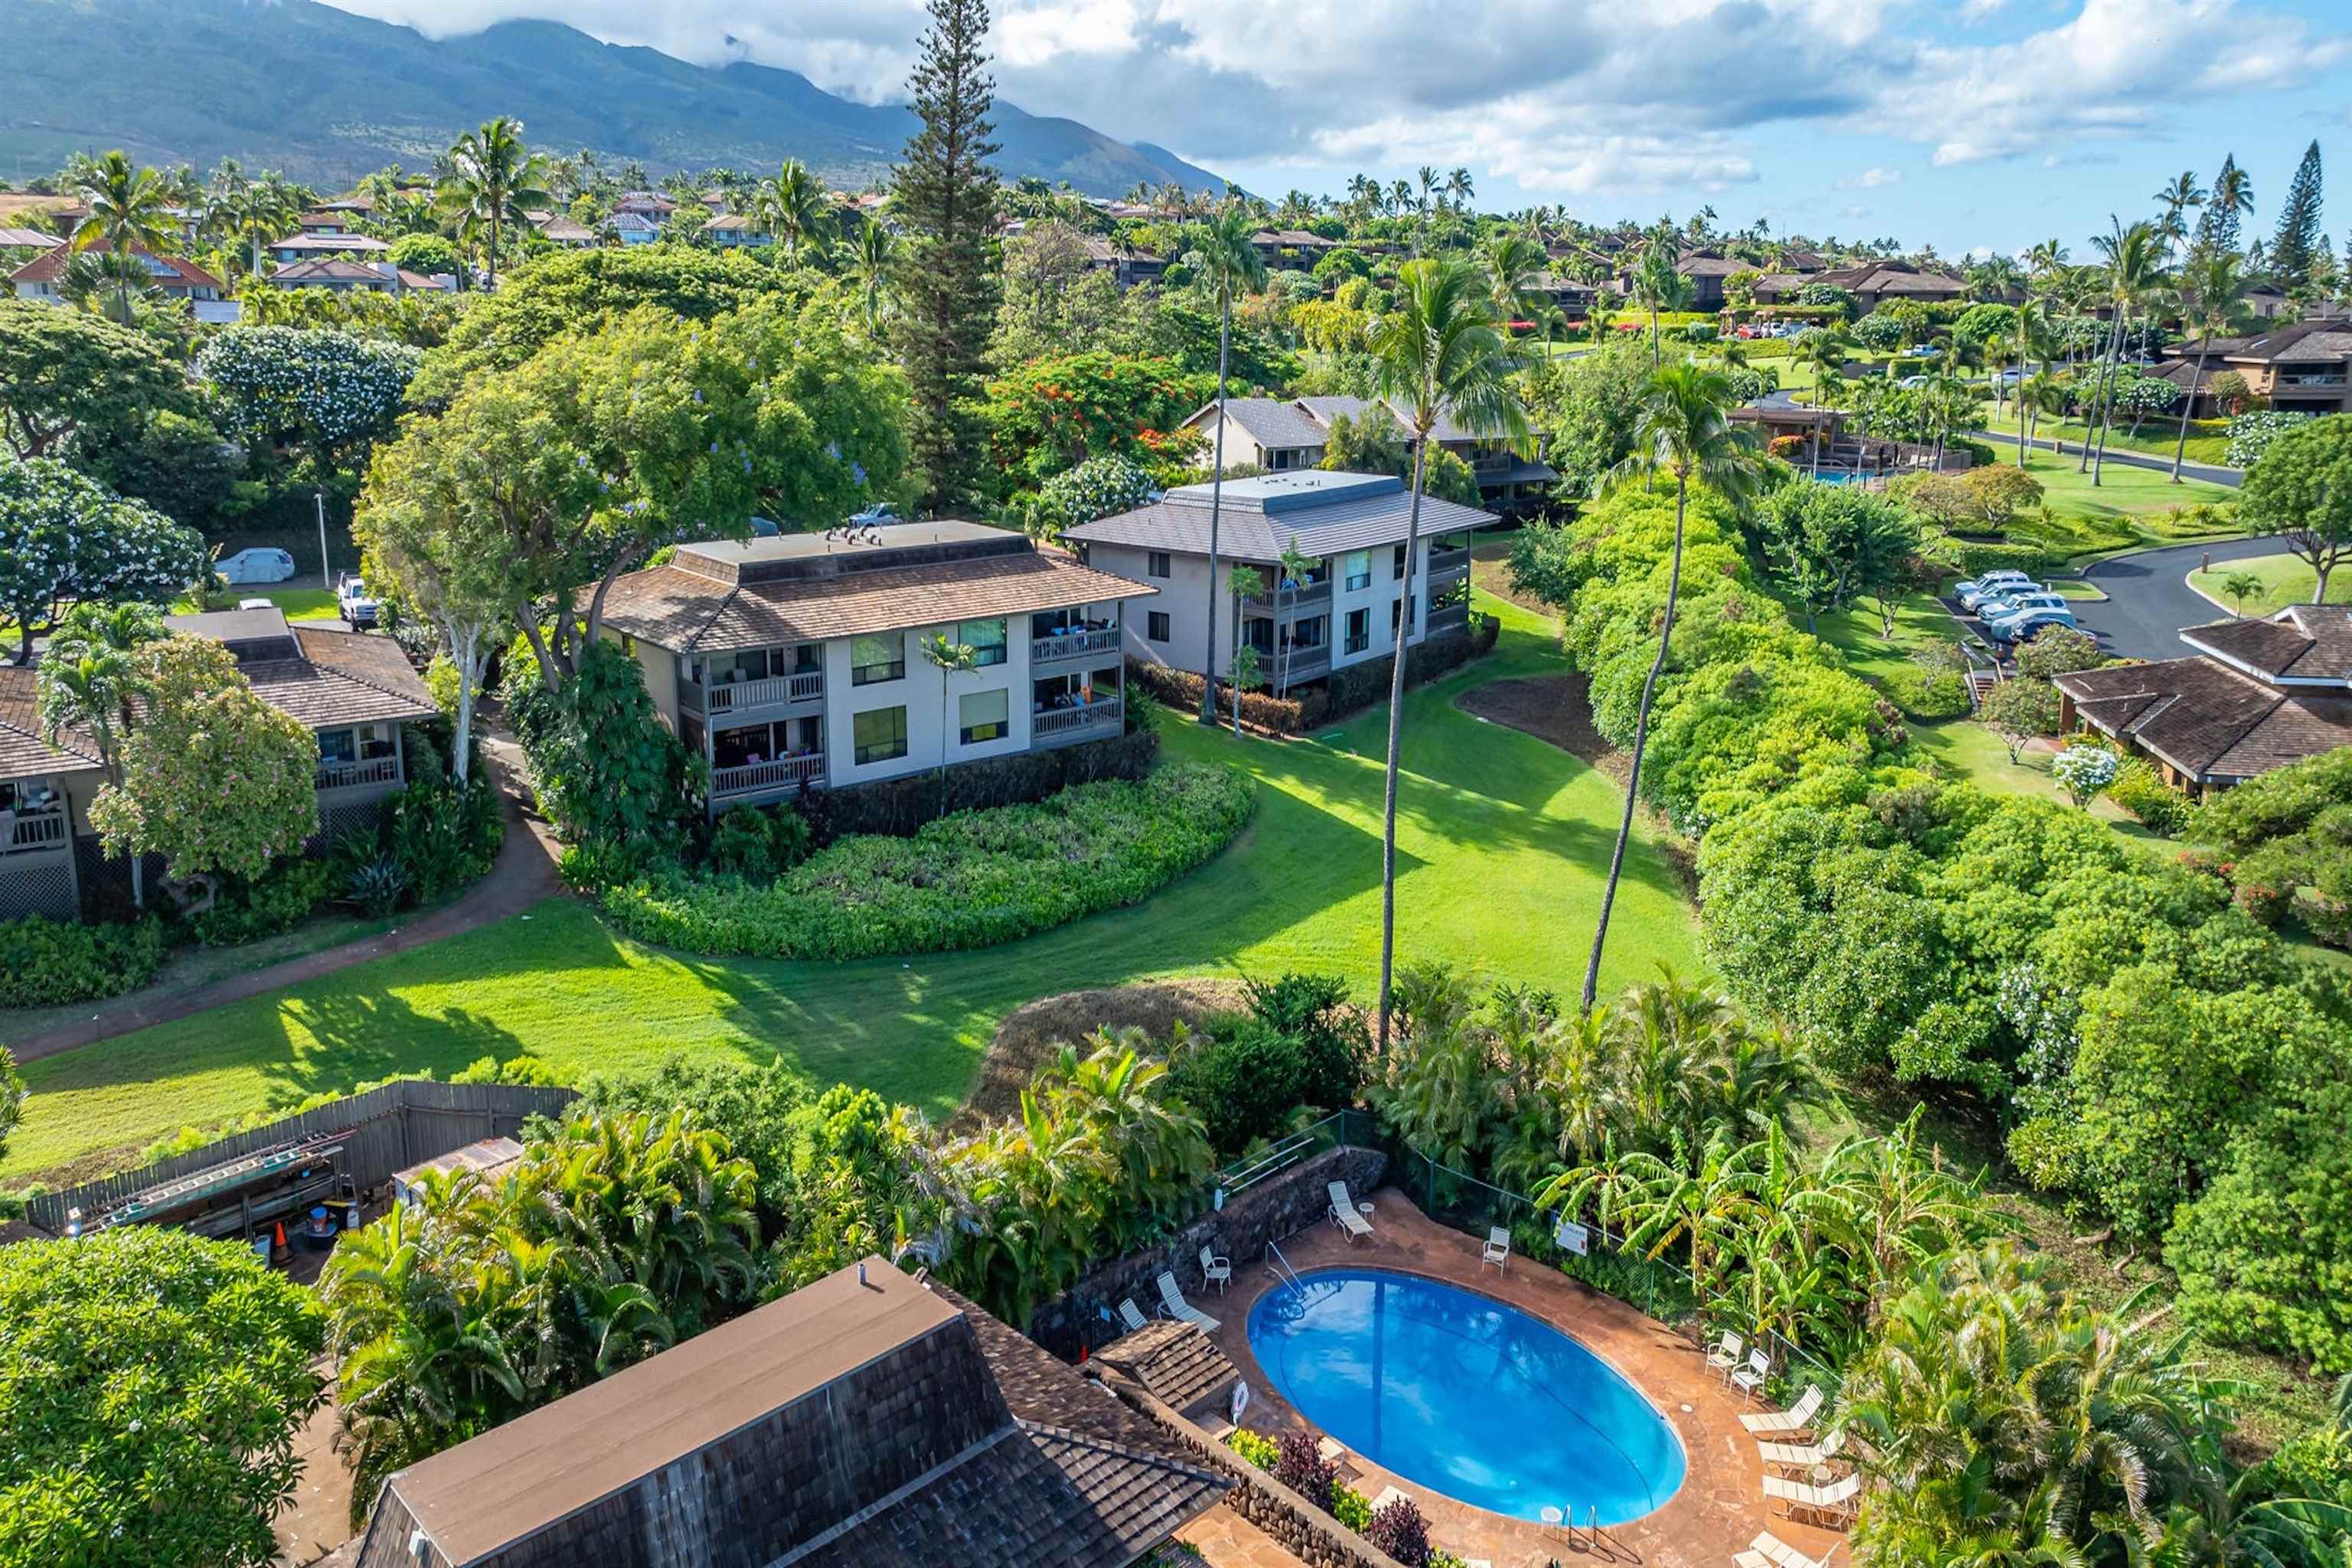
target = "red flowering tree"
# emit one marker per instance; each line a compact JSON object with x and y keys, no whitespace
{"x":1054,"y":413}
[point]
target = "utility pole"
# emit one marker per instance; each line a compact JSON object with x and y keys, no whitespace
{"x":326,"y":576}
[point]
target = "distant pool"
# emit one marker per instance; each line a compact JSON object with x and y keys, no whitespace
{"x":1464,"y":1396}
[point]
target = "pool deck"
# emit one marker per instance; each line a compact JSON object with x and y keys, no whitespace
{"x":1721,"y":1505}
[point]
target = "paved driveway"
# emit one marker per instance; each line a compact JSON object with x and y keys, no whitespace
{"x":2147,"y":602}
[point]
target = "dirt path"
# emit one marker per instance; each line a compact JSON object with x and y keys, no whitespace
{"x":523,"y":874}
{"x":1554,"y":707}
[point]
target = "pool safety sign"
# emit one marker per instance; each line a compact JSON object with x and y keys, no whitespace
{"x":1570,"y":1235}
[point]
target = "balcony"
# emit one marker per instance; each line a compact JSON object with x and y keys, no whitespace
{"x":1451,"y":618}
{"x":763,"y":778}
{"x":1304,"y":664}
{"x":742,"y":696}
{"x":373,"y":773}
{"x":1495,"y":466}
{"x":1074,"y":644}
{"x":34,"y":832}
{"x":1059,"y":726}
{"x":1295,"y":601}
{"x":2323,"y":381}
{"x":1449,"y":562}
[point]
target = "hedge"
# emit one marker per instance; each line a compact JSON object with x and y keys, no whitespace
{"x":971,"y":879}
{"x":1974,"y":560}
{"x":46,"y":962}
{"x":1180,"y":689}
{"x":1348,"y":689}
{"x":899,"y":806}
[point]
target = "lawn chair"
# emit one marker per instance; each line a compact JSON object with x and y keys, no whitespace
{"x":1749,"y":1379}
{"x":1768,"y":1551}
{"x":1130,"y":1314}
{"x":1726,"y":1353}
{"x":1797,"y":1417}
{"x":1216,"y":1270}
{"x":1802,"y":1455}
{"x":1498,"y":1250}
{"x":1832,"y":1504}
{"x":1346,"y":1215}
{"x":1172,"y":1302}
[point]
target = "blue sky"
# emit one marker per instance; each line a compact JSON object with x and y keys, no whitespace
{"x":1963,"y":124}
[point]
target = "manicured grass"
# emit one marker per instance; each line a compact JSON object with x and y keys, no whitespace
{"x":2285,"y":581}
{"x":299,"y":603}
{"x":2153,"y":440}
{"x":1503,"y":843}
{"x":1967,"y":750}
{"x":2130,"y":509}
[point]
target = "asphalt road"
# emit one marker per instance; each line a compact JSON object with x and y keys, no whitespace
{"x":2147,"y":602}
{"x":2211,"y":474}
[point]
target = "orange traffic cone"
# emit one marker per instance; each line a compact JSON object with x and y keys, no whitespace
{"x":278,"y":1249}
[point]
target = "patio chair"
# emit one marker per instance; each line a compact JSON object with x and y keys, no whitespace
{"x":1750,"y":1378}
{"x":1346,"y":1215}
{"x":1726,"y":1353}
{"x":1832,"y":1504}
{"x":1498,"y":1250}
{"x":1172,"y":1302}
{"x":1130,"y":1314}
{"x":1216,"y":1270}
{"x":1802,"y":1455}
{"x":1797,"y":1417}
{"x":1768,"y":1551}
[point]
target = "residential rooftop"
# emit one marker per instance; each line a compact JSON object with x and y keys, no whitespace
{"x":1321,"y":512}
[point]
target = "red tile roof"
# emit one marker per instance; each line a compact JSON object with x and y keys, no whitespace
{"x":50,"y":267}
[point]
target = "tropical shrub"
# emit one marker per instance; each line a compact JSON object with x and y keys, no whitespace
{"x":247,"y":908}
{"x":1244,"y":1075}
{"x":2058,"y":650}
{"x":1299,"y":1465}
{"x":2139,"y":789}
{"x":603,"y":765}
{"x":2288,"y":836}
{"x":1399,"y":1530}
{"x":901,"y":805}
{"x":2251,"y":434}
{"x":152,"y":1384}
{"x":1096,"y":489}
{"x":1927,"y":694}
{"x":971,"y":879}
{"x":45,"y":962}
{"x":757,"y":844}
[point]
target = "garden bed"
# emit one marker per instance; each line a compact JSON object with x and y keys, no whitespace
{"x":971,"y":879}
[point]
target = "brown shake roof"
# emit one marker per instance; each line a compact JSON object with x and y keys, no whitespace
{"x":2303,"y":643}
{"x":1180,"y":1364}
{"x":23,"y":754}
{"x":2208,"y":720}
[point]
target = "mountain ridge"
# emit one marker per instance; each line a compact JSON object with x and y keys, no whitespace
{"x":327,"y":96}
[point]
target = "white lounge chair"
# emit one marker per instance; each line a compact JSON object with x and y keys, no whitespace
{"x":1797,"y":1417}
{"x":1346,"y":1215}
{"x":1172,"y":1302}
{"x":1750,"y":1378}
{"x":1498,"y":1250}
{"x":1130,"y":1314}
{"x":1726,"y":1353}
{"x":1216,"y":1270}
{"x":1832,"y":1503}
{"x":1768,"y":1551}
{"x":1802,"y":1455}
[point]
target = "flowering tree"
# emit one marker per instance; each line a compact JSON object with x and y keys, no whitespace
{"x":2083,"y":771}
{"x":214,"y":779}
{"x":324,"y":388}
{"x":1054,"y":413}
{"x":1098,"y":488}
{"x":65,"y":538}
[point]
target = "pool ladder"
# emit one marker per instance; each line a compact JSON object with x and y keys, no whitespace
{"x":1277,"y":1265}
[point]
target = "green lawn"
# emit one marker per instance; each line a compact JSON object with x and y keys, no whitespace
{"x":2285,"y":581}
{"x":1503,"y":841}
{"x":2154,"y":440}
{"x":299,"y":603}
{"x":2129,"y":509}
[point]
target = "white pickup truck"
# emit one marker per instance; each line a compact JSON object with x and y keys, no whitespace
{"x":357,"y":605}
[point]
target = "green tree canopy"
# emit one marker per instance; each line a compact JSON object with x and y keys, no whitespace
{"x":152,"y":1384}
{"x":1834,"y":544}
{"x":2301,"y":488}
{"x":62,"y":371}
{"x":65,"y":538}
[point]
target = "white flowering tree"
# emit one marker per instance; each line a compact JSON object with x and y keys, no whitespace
{"x":328,"y":390}
{"x":66,"y":539}
{"x":1098,"y":488}
{"x":2083,"y":771}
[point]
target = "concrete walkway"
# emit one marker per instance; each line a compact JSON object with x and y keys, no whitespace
{"x":523,"y":874}
{"x":2211,"y":473}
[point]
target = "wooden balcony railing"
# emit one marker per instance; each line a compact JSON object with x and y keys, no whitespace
{"x":1296,"y":600}
{"x":1072,"y":645}
{"x":740,"y":696}
{"x":33,"y":831}
{"x":784,"y":773}
{"x":1452,"y":618}
{"x":1446,"y":562}
{"x":1065,"y":721}
{"x":356,"y":776}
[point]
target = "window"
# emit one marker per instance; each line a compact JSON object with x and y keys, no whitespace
{"x":1155,"y":625}
{"x":336,"y":747}
{"x":374,"y":741}
{"x":873,"y":659}
{"x":985,"y":638}
{"x":1401,"y":608}
{"x":1359,"y":630}
{"x":1396,"y":566}
{"x":1359,"y":570}
{"x":1155,"y":564}
{"x":1313,"y":631}
{"x":879,"y":734}
{"x":982,"y":715}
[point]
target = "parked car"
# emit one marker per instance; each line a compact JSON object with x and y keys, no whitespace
{"x":260,"y":564}
{"x":357,"y":605}
{"x":257,"y":603}
{"x":2023,"y":624}
{"x":2003,"y":606}
{"x":1912,"y":383}
{"x":1975,"y":590}
{"x":879,"y":512}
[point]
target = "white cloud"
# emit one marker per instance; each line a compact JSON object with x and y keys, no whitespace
{"x":1871,"y":179}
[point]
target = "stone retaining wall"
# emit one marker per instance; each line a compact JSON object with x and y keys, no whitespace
{"x":1276,"y":1207}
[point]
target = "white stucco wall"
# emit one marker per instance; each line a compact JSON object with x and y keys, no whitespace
{"x":921,"y":691}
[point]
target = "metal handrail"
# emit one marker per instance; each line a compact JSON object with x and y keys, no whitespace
{"x":1279,"y":1266}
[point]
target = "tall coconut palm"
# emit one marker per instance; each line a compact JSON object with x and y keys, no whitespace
{"x":1512,"y":263}
{"x":2211,"y":285}
{"x":494,"y":179}
{"x":1458,"y":188}
{"x":792,"y":207}
{"x":1655,"y":286}
{"x":1225,"y":258}
{"x":1442,"y":353}
{"x":1682,"y":428}
{"x":2134,"y":267}
{"x":2174,"y":199}
{"x":874,"y":253}
{"x":128,"y":208}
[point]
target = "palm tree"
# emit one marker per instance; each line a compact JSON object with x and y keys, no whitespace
{"x":2211,"y":284}
{"x":950,"y":658}
{"x":876,"y":253}
{"x":2134,"y":261}
{"x":1225,"y":258}
{"x":1457,"y":186}
{"x":792,"y":206}
{"x":88,"y":680}
{"x":1681,"y":428}
{"x":128,"y":211}
{"x":494,"y":179}
{"x":2175,"y":198}
{"x":1655,"y":286}
{"x":1512,"y":263}
{"x":1442,"y":353}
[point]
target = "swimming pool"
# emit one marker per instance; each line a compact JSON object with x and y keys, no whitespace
{"x":1464,"y":1396}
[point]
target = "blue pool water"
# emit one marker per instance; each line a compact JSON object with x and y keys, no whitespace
{"x":1464,"y":1396}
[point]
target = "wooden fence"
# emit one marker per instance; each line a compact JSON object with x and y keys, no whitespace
{"x":385,"y":1129}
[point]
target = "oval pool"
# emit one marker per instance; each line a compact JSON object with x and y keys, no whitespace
{"x":1464,"y":1396}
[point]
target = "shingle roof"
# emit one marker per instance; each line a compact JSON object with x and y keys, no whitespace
{"x":330,"y":243}
{"x":1323,"y":408}
{"x":2206,"y":718}
{"x":327,"y":269}
{"x":688,"y":612}
{"x":2304,"y":642}
{"x":2318,"y":339}
{"x":23,"y":752}
{"x":1324,"y":513}
{"x":1180,"y":1364}
{"x":1273,"y":423}
{"x":49,"y":268}
{"x":33,"y":237}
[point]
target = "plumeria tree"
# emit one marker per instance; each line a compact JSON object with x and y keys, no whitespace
{"x":329,"y":389}
{"x":65,"y":539}
{"x":1098,"y":488}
